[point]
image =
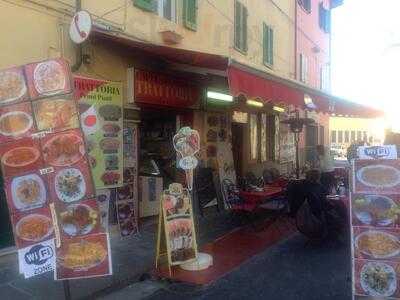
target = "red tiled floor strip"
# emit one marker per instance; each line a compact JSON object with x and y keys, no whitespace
{"x":231,"y":250}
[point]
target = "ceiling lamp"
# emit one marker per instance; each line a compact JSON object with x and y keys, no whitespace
{"x":254,"y":103}
{"x":278,"y":109}
{"x":219,"y":96}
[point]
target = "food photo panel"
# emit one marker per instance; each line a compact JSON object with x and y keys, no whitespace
{"x":129,"y":175}
{"x":79,"y":219}
{"x":16,"y":121}
{"x":83,"y":257}
{"x":71,"y":183}
{"x":13,"y":87}
{"x":125,"y":192}
{"x":376,"y":278}
{"x":32,"y":227}
{"x":104,"y":197}
{"x":376,"y":244}
{"x":63,"y":149}
{"x":21,"y":157}
{"x":26,"y":192}
{"x":127,"y":218}
{"x":56,"y":114}
{"x":181,"y":240}
{"x":176,"y":202}
{"x":48,"y":78}
{"x":375,"y":210}
{"x":376,"y":176}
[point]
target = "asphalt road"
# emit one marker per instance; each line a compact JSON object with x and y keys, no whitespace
{"x":290,"y":270}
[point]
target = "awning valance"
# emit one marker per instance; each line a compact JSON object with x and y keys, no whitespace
{"x":254,"y":84}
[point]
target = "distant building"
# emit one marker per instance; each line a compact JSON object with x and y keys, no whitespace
{"x":345,"y":130}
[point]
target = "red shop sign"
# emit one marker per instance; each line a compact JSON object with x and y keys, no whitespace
{"x":158,"y":89}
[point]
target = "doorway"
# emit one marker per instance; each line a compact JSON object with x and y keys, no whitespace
{"x":237,"y":147}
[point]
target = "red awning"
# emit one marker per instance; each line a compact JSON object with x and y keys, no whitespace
{"x":270,"y":89}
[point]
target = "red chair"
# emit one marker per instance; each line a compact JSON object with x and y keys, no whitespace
{"x":237,"y":204}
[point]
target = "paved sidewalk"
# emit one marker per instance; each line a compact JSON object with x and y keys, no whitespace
{"x":132,"y":257}
{"x":290,"y":270}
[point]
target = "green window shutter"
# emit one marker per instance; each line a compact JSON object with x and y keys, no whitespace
{"x":268,"y":45}
{"x":271,"y":46}
{"x":265,"y":43}
{"x":244,"y":28}
{"x":238,"y":24}
{"x":240,"y":27}
{"x":149,"y":5}
{"x":190,"y":14}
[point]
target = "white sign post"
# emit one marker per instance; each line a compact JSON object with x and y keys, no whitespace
{"x":37,"y":259}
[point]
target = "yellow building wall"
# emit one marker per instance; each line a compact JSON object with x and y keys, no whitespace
{"x":33,"y":30}
{"x":373,"y":127}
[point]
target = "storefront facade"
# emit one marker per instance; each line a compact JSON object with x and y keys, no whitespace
{"x":170,"y":84}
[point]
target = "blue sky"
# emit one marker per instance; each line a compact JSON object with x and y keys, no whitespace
{"x":366,"y":53}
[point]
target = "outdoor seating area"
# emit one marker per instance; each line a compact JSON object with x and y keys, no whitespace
{"x":312,"y":207}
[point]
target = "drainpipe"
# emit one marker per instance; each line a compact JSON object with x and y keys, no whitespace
{"x":78,"y":59}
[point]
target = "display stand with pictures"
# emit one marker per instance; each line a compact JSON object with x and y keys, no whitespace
{"x":176,"y":238}
{"x":47,"y":177}
{"x":375,"y":225}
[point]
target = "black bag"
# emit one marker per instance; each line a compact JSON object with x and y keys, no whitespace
{"x":310,"y":225}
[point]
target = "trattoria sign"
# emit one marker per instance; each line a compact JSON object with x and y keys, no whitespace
{"x":159,"y":89}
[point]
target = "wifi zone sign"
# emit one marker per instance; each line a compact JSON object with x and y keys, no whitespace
{"x":37,"y":259}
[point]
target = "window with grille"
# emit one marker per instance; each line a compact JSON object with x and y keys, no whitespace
{"x":346,"y":136}
{"x":353,"y":136}
{"x":359,"y":135}
{"x":333,"y":136}
{"x":365,"y":136}
{"x":340,"y":136}
{"x":303,"y":68}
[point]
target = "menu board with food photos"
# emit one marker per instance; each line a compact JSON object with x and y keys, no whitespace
{"x":100,"y":108}
{"x":375,"y":211}
{"x":127,"y":196}
{"x":178,"y":225}
{"x":46,"y":172}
